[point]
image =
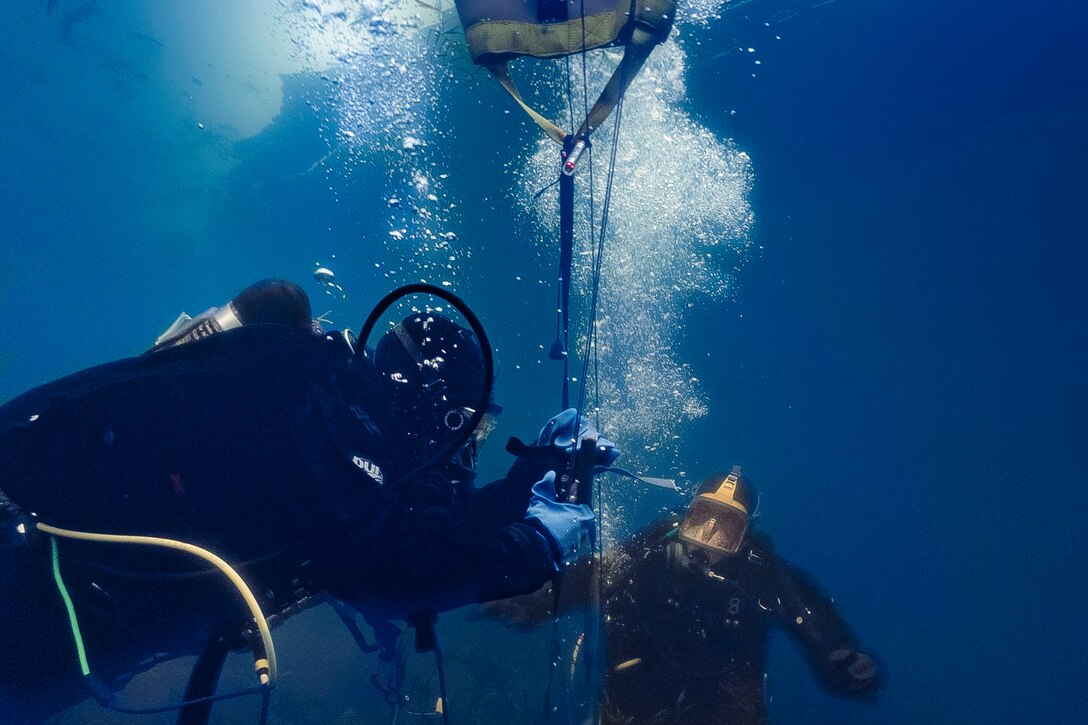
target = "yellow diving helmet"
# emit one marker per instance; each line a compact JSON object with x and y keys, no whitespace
{"x":717,"y":521}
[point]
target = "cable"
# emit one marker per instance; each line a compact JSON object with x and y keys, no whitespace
{"x":441,"y":681}
{"x":592,"y":645}
{"x":265,"y":666}
{"x":591,"y":351}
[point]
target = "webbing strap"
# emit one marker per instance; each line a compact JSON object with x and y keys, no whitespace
{"x":635,"y":53}
{"x":502,"y":72}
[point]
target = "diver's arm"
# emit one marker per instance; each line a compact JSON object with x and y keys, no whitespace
{"x":503,"y":501}
{"x":510,"y":544}
{"x":811,"y":619}
{"x":578,"y":585}
{"x":424,"y":563}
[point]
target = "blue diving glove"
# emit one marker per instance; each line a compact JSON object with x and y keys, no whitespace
{"x":563,"y":432}
{"x":561,"y":523}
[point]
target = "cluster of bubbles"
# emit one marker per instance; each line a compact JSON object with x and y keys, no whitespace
{"x":701,"y":12}
{"x":384,"y":84}
{"x":679,"y":216}
{"x":678,"y":230}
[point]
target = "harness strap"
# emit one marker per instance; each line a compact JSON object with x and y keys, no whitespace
{"x":635,"y":53}
{"x":650,"y":23}
{"x":501,"y":71}
{"x":203,"y":681}
{"x":264,"y":657}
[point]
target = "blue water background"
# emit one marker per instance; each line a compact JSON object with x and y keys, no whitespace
{"x":901,"y":369}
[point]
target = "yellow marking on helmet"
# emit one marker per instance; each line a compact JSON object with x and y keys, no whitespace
{"x":727,"y":491}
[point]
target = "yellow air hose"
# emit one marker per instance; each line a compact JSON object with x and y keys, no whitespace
{"x":265,"y":666}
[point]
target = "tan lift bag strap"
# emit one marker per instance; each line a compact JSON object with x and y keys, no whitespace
{"x":498,"y":31}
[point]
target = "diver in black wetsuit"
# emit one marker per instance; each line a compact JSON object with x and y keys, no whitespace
{"x":689,"y":604}
{"x":308,"y":466}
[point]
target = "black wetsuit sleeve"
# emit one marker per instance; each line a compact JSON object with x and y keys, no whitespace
{"x":812,"y":621}
{"x":423,"y":561}
{"x":502,"y":502}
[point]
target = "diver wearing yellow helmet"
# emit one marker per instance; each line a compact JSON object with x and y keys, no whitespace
{"x":689,"y":605}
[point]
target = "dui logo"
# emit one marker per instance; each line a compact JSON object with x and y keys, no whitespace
{"x":370,"y":468}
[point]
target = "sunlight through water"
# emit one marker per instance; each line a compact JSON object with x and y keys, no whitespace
{"x":679,"y":219}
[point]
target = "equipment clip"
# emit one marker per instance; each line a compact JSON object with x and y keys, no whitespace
{"x":571,"y":160}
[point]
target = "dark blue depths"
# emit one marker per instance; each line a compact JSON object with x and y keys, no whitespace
{"x":912,"y":352}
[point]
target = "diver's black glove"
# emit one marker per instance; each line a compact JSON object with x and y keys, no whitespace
{"x":563,"y":432}
{"x":856,"y":670}
{"x":553,"y":447}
